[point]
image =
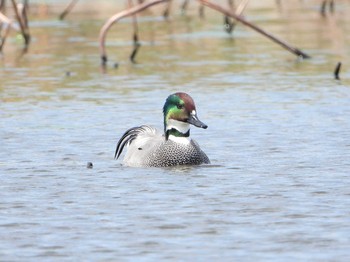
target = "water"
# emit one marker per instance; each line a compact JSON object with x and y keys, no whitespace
{"x":278,"y":140}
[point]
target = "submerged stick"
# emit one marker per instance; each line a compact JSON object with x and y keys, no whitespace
{"x":134,"y":24}
{"x":337,"y":71}
{"x":201,"y":11}
{"x":226,"y":12}
{"x":23,"y":13}
{"x":167,"y":10}
{"x":331,"y":6}
{"x":184,"y":7}
{"x":68,"y":9}
{"x":137,"y":44}
{"x":22,"y":24}
{"x":4,"y":19}
{"x":2,"y":5}
{"x":230,"y":25}
{"x":6,"y":28}
{"x":3,"y":37}
{"x":115,"y":18}
{"x":323,"y":8}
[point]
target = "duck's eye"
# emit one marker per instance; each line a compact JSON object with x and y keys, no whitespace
{"x":180,"y":106}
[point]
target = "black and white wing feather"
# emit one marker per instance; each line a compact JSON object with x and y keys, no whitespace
{"x":140,"y":133}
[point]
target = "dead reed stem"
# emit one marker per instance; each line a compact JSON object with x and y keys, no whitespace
{"x":115,"y":18}
{"x":166,"y":12}
{"x":201,"y":11}
{"x":230,"y":25}
{"x":227,"y":12}
{"x":7,"y":24}
{"x":184,"y":7}
{"x":4,"y":36}
{"x":137,"y":44}
{"x":21,"y":17}
{"x":337,"y":71}
{"x":324,"y":6}
{"x":68,"y":9}
{"x":4,"y":19}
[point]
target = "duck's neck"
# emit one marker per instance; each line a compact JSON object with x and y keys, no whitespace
{"x":177,"y":131}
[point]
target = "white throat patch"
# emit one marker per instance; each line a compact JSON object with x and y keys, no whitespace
{"x":178,"y":125}
{"x":181,"y":127}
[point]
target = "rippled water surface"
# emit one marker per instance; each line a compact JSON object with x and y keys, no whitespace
{"x":278,"y":188}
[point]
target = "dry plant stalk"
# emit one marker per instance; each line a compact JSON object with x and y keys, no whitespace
{"x":7,"y":23}
{"x":137,"y":44}
{"x":68,"y":9}
{"x":21,"y":16}
{"x":337,"y":71}
{"x":230,"y":25}
{"x":4,"y":36}
{"x":115,"y":18}
{"x":228,"y":13}
{"x":166,"y":12}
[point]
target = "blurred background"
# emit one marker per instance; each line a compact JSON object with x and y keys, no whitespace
{"x":278,"y":136}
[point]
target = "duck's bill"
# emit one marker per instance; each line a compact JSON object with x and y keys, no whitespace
{"x":193,"y":120}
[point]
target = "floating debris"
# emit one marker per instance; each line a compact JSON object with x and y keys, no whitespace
{"x":89,"y":165}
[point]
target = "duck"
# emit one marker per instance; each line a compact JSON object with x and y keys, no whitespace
{"x":147,"y":146}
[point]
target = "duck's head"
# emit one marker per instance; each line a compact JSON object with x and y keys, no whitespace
{"x":179,"y":112}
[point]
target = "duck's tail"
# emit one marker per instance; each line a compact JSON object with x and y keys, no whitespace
{"x":129,"y":136}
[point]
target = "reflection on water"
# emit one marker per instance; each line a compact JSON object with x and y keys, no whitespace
{"x":278,"y":140}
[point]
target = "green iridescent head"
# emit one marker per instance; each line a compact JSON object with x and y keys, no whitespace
{"x":180,"y":111}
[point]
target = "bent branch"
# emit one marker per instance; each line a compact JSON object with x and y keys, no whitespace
{"x":115,"y":18}
{"x":227,"y":12}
